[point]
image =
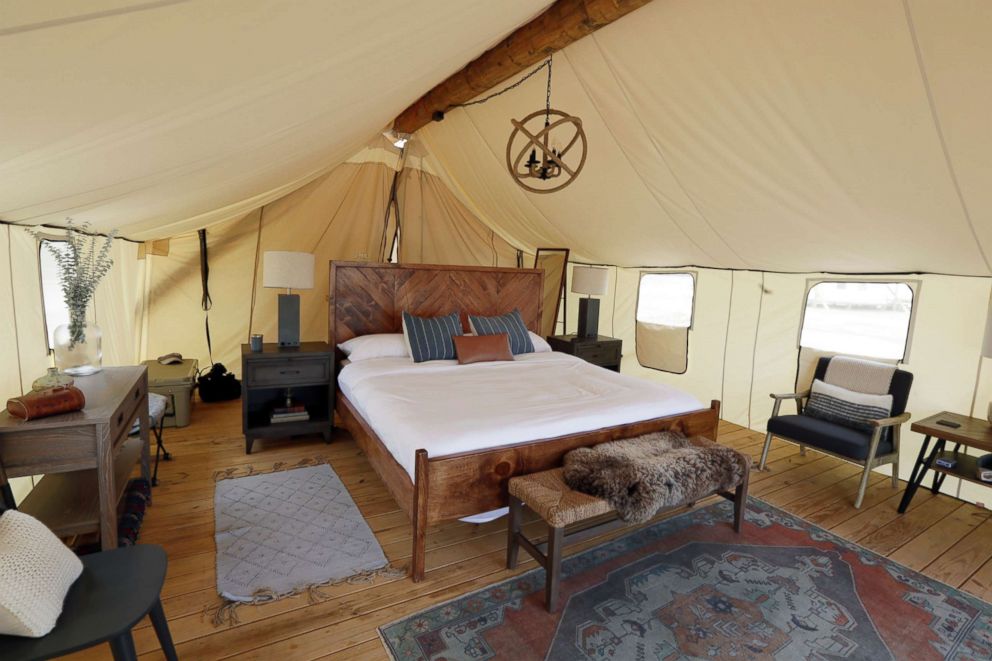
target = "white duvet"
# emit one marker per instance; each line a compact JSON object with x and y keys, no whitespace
{"x":447,"y":408}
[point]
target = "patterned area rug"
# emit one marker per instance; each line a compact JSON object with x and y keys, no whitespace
{"x":689,"y":588}
{"x":285,"y":532}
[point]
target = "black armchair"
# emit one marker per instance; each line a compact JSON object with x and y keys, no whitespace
{"x":869,"y":449}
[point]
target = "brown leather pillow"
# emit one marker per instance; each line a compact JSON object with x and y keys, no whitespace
{"x":482,"y":348}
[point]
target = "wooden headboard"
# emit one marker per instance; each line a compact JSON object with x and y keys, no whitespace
{"x":369,"y":298}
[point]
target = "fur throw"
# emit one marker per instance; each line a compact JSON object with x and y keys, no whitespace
{"x":639,"y":476}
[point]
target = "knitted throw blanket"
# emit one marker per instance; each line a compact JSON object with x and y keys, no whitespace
{"x":639,"y":476}
{"x":860,"y":375}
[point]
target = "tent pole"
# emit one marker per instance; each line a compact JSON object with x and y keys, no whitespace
{"x":392,"y":205}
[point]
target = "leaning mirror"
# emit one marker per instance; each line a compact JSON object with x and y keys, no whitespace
{"x":554,"y":262}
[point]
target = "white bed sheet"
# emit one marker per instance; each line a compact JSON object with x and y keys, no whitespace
{"x":447,"y":408}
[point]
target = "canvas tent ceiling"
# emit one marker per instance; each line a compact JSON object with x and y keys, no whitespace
{"x":161,"y":116}
{"x":845,"y":136}
{"x":762,"y":134}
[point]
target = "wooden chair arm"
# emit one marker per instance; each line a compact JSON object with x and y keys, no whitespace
{"x":891,"y":422}
{"x":798,"y":396}
{"x":792,"y":395}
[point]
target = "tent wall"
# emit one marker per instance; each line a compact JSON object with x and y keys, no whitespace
{"x":774,"y":135}
{"x":340,"y":216}
{"x":744,"y":344}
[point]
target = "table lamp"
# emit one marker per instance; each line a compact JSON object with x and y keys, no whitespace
{"x":288,"y":270}
{"x":591,"y":281}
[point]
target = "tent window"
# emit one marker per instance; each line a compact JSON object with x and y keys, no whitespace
{"x":663,"y":319}
{"x":860,"y":318}
{"x":52,"y":297}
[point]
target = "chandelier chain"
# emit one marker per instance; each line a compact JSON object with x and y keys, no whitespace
{"x":547,"y":102}
{"x":530,"y":74}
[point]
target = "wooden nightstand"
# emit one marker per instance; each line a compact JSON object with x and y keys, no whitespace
{"x":305,"y":373}
{"x":600,"y":350}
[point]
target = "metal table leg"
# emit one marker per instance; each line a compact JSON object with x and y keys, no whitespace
{"x":938,"y":478}
{"x":920,"y":470}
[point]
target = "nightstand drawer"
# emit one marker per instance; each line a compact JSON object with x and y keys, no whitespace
{"x":289,"y":372}
{"x":600,"y":353}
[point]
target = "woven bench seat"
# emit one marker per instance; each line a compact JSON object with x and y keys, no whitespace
{"x":551,"y":499}
{"x":559,"y":506}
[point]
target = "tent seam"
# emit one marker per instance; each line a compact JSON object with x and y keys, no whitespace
{"x":726,"y":340}
{"x":626,"y":157}
{"x":754,"y":351}
{"x":334,"y":215}
{"x":872,"y":274}
{"x":254,"y":273}
{"x":932,"y":104}
{"x":661,"y":155}
{"x":17,"y":335}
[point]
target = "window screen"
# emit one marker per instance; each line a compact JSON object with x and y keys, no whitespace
{"x":860,"y":318}
{"x":56,"y":311}
{"x":666,"y":299}
{"x":664,"y":316}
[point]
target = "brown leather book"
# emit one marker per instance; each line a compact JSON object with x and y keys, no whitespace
{"x":43,"y":403}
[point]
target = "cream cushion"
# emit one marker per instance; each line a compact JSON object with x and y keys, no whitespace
{"x":36,"y":571}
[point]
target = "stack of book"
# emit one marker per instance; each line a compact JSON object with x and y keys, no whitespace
{"x":295,"y":413}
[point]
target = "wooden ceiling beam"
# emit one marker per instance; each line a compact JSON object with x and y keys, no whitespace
{"x":564,"y":22}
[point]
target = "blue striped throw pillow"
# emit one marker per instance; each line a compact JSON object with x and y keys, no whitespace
{"x":511,"y":323}
{"x":429,"y":338}
{"x":846,"y":407}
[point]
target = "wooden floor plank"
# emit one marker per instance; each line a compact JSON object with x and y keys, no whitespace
{"x":904,"y":528}
{"x":957,"y":564}
{"x":940,"y":535}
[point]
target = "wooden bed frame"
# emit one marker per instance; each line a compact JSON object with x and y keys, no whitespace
{"x":370,"y":298}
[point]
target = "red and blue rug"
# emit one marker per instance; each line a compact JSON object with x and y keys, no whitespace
{"x":689,"y":588}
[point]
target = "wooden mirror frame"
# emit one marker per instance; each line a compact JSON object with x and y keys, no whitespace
{"x":549,"y":283}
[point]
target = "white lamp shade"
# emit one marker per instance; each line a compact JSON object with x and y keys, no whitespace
{"x":287,"y":270}
{"x":591,"y":280}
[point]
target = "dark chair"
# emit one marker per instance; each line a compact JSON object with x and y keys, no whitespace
{"x":115,"y":591}
{"x":869,"y":449}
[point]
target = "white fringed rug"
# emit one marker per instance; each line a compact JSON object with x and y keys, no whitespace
{"x":286,"y":532}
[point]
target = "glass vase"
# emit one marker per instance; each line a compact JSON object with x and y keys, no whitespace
{"x":52,"y":379}
{"x":79,"y":348}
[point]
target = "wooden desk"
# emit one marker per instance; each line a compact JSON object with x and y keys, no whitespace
{"x":86,"y":456}
{"x":973,"y":433}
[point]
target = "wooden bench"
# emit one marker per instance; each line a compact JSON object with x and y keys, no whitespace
{"x":548,"y":496}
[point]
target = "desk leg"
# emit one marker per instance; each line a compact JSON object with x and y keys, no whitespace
{"x":106,"y":490}
{"x":920,"y":471}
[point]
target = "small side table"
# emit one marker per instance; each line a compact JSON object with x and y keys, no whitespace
{"x":600,"y":350}
{"x":305,"y":373}
{"x":972,"y":433}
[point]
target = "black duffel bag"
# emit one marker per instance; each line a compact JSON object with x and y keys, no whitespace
{"x":218,"y":385}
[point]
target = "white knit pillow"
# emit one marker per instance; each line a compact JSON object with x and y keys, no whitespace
{"x":36,"y":571}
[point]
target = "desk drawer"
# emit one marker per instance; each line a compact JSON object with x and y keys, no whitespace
{"x":288,"y":372}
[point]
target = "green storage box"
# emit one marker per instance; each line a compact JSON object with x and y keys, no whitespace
{"x":175,"y":382}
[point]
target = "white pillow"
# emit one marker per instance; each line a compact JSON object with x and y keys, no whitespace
{"x":379,"y":345}
{"x":36,"y":572}
{"x":540,"y":344}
